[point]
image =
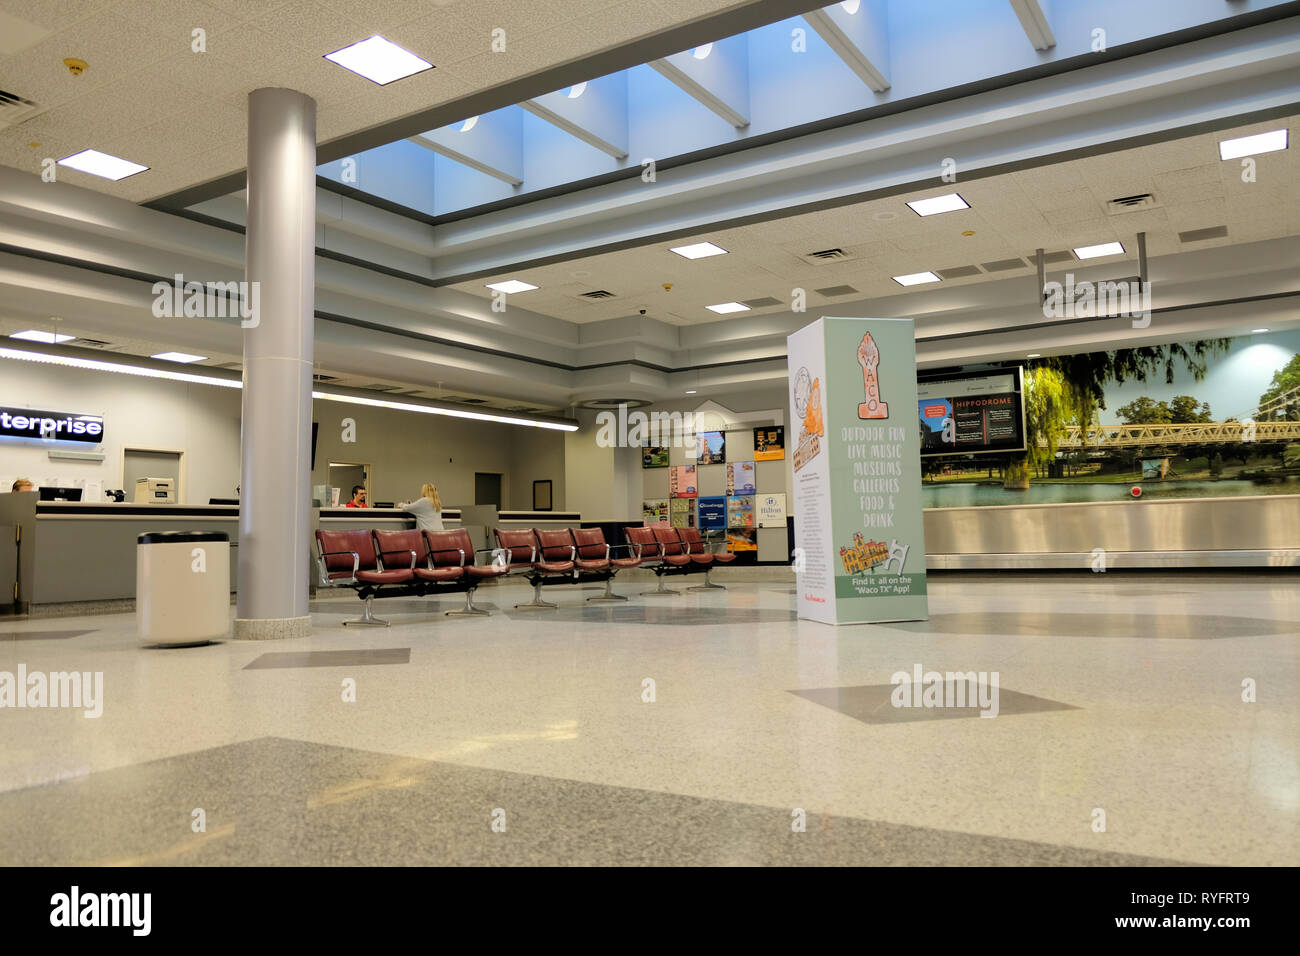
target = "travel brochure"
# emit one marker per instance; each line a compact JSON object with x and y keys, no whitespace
{"x":654,"y":456}
{"x":740,"y":477}
{"x":713,"y":513}
{"x":655,"y":510}
{"x":769,"y":443}
{"x":681,"y":512}
{"x":681,"y":482}
{"x":740,"y":512}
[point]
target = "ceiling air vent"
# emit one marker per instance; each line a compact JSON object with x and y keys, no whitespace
{"x":833,"y":290}
{"x":1129,"y":203}
{"x":597,"y":294}
{"x":1004,"y":265}
{"x":826,"y":255}
{"x":14,"y":109}
{"x":1064,"y":255}
{"x":376,"y":387}
{"x":91,"y":343}
{"x":762,"y":303}
{"x":1198,"y":235}
{"x":960,"y":272}
{"x":473,"y":401}
{"x":317,"y":377}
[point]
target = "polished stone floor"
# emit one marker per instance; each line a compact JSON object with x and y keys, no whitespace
{"x":700,"y":728}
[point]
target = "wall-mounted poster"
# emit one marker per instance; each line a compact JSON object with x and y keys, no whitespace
{"x":654,"y":511}
{"x":681,"y":512}
{"x":972,"y":413}
{"x":713,"y":513}
{"x":681,"y":482}
{"x":742,"y":539}
{"x":654,"y":456}
{"x":740,"y":511}
{"x":769,"y":443}
{"x":710,"y":448}
{"x":740,"y":477}
{"x":771,"y":510}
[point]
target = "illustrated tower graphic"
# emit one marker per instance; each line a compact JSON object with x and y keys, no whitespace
{"x":869,"y":359}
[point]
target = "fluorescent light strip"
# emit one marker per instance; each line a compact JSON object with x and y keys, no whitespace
{"x":937,"y":204}
{"x":1269,"y":142}
{"x":183,"y":357}
{"x":97,"y":366}
{"x":451,"y":412}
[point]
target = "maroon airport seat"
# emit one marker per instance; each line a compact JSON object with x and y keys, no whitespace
{"x":660,"y":550}
{"x":520,"y":547}
{"x":453,"y":551}
{"x":699,"y":551}
{"x":595,"y":561}
{"x":350,"y":559}
{"x":553,"y":559}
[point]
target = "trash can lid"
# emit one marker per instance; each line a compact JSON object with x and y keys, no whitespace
{"x":181,"y":537}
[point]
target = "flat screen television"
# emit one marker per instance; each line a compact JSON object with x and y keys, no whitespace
{"x":971,"y":413}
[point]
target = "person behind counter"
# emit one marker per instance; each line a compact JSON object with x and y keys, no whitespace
{"x":427,"y":508}
{"x":22,"y":484}
{"x":358,"y":497}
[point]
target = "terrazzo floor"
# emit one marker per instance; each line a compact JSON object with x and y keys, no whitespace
{"x":701,"y":728}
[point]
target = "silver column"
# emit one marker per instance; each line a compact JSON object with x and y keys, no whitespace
{"x":275,"y":447}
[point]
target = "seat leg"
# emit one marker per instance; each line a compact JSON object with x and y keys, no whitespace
{"x":368,"y":619}
{"x":661,"y":589}
{"x":609,"y":594}
{"x":708,"y":584}
{"x":537,"y":598}
{"x":469,"y":610}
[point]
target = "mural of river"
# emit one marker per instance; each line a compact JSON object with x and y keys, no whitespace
{"x":966,"y":494}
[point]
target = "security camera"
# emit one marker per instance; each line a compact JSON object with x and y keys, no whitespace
{"x":643,"y":311}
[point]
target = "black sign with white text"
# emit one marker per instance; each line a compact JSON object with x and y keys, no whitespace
{"x":35,"y":424}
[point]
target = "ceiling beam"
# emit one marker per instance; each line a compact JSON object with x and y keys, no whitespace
{"x":1033,"y":18}
{"x":715,"y":74}
{"x":465,"y":160}
{"x":859,"y":38}
{"x":573,"y":129}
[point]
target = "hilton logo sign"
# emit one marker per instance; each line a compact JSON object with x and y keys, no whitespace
{"x":32,"y":423}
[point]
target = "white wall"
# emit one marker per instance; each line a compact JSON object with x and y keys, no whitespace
{"x":405,"y":449}
{"x":201,"y":420}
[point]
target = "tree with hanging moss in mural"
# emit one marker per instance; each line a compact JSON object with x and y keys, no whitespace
{"x":1066,"y":390}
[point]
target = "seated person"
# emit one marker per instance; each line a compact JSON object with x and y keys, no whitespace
{"x":358,"y":497}
{"x":23,"y":484}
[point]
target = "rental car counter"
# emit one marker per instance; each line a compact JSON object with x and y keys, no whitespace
{"x":59,"y":553}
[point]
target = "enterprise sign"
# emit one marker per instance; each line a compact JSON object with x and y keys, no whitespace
{"x":51,"y":426}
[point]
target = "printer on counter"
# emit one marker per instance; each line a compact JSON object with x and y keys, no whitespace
{"x":155,"y":491}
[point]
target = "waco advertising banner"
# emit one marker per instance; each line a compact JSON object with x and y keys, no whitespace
{"x":857,"y":471}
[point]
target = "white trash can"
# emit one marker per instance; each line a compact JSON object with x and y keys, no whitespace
{"x":182,"y":587}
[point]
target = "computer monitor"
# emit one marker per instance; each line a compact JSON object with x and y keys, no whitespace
{"x":60,"y":494}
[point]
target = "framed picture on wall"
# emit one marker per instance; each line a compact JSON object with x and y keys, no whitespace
{"x":681,"y":512}
{"x":740,"y":512}
{"x":713,"y":512}
{"x":654,"y":456}
{"x":681,"y":482}
{"x":654,"y":510}
{"x":710,"y":448}
{"x":769,"y":443}
{"x":542,"y":495}
{"x":740,"y":477}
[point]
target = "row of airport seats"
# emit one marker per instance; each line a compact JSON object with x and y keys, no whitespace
{"x":379,"y":564}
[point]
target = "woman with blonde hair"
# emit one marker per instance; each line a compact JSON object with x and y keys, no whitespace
{"x":427,"y":508}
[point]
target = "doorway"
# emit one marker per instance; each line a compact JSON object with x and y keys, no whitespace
{"x":487,"y":489}
{"x":344,"y":476}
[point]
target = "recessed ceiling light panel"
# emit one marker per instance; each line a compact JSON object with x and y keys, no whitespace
{"x":379,"y":60}
{"x":1269,"y":142}
{"x":183,"y":357}
{"x":937,"y":204}
{"x":698,"y":250}
{"x":510,"y":286}
{"x":102,"y":164}
{"x":38,"y":335}
{"x":916,"y":278}
{"x":1102,"y":249}
{"x":726,"y":308}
